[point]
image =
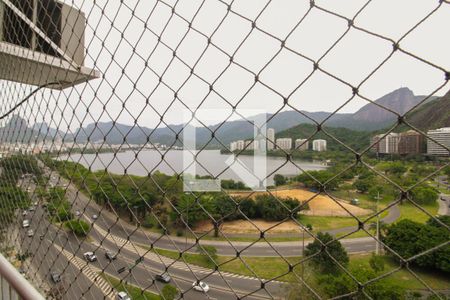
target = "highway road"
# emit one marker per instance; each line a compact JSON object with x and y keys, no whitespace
{"x":108,"y":220}
{"x":52,"y":248}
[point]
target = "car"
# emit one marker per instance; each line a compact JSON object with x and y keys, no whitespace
{"x":77,"y":213}
{"x":36,"y":203}
{"x":90,"y":256}
{"x":25,"y":212}
{"x":122,"y":296}
{"x":32,"y":208}
{"x":26,"y":223}
{"x":30,"y":232}
{"x":56,"y":277}
{"x":95,"y":217}
{"x":164,"y":277}
{"x":110,"y":255}
{"x":200,"y":286}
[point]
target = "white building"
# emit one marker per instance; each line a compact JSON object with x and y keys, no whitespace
{"x":284,"y":143}
{"x":319,"y":145}
{"x":233,"y":146}
{"x":251,"y":145}
{"x":441,"y":135}
{"x":301,"y":144}
{"x":240,"y":145}
{"x":270,"y":139}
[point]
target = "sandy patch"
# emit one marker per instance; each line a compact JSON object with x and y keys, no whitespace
{"x":321,"y":205}
{"x":256,"y":226}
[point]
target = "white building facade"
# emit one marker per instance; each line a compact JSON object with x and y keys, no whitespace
{"x":319,"y":145}
{"x":270,"y":139}
{"x":441,"y":135}
{"x":301,"y":144}
{"x":284,"y":143}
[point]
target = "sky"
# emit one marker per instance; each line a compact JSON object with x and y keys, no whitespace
{"x":132,"y":46}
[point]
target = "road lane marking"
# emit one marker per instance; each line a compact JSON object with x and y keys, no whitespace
{"x":91,"y":272}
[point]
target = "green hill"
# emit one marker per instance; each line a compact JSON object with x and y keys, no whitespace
{"x":431,"y":115}
{"x":356,"y":140}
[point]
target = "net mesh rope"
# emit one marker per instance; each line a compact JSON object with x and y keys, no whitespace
{"x":144,"y":63}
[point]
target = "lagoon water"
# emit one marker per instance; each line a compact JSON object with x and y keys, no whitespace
{"x":209,"y":162}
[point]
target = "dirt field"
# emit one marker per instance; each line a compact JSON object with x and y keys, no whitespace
{"x":244,"y":226}
{"x":321,"y":205}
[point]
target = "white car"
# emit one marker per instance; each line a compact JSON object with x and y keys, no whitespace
{"x":90,"y":256}
{"x":26,"y":223}
{"x":77,"y":213}
{"x":122,"y":296}
{"x":95,"y":217}
{"x":30,"y":233}
{"x":200,"y":286}
{"x":25,"y":212}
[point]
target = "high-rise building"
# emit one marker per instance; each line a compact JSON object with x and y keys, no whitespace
{"x":411,"y":142}
{"x":251,"y":145}
{"x":240,"y":145}
{"x":441,"y":135}
{"x":284,"y":143}
{"x":270,"y":139}
{"x":301,"y":144}
{"x":386,"y":144}
{"x":319,"y":145}
{"x":233,"y":146}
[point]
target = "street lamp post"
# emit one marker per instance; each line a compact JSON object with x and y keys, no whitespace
{"x":377,"y":248}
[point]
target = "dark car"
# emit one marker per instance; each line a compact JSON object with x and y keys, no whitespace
{"x":56,"y":277}
{"x":111,"y":256}
{"x":164,"y":277}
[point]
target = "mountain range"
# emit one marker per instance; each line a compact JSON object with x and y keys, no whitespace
{"x":370,"y":117}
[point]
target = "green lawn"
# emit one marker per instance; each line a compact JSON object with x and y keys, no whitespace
{"x":272,"y":267}
{"x":403,"y":277}
{"x":133,"y":291}
{"x":263,"y":267}
{"x":410,"y":211}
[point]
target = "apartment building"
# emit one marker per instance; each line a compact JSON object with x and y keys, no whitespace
{"x":411,"y":142}
{"x":301,"y":144}
{"x":270,"y":138}
{"x":319,"y":145}
{"x":442,"y":136}
{"x":385,"y":144}
{"x":284,"y":143}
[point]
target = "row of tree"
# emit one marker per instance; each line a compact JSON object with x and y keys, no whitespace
{"x":220,"y":207}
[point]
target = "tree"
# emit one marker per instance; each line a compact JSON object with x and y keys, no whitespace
{"x":424,"y":195}
{"x":169,"y":292}
{"x":190,"y":211}
{"x":362,"y":185}
{"x":396,"y":168}
{"x":273,"y":209}
{"x":78,"y":227}
{"x":323,"y":260}
{"x":247,"y":207}
{"x":409,"y":238}
{"x":208,"y":255}
{"x":318,"y":178}
{"x":279,"y":179}
{"x":447,"y":172}
{"x":376,"y":262}
{"x":340,"y":284}
{"x":221,"y":207}
{"x":375,"y":192}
